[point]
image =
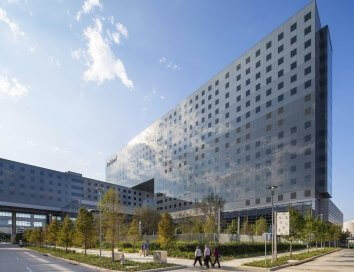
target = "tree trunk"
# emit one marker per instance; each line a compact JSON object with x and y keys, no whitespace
{"x":66,"y":249}
{"x":112,"y":249}
{"x":291,"y":249}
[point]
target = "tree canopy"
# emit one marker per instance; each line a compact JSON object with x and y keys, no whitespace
{"x":166,"y":231}
{"x":149,"y":219}
{"x":111,"y":217}
{"x":85,"y":228}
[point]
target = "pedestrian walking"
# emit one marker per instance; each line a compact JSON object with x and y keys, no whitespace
{"x":198,"y":256}
{"x":142,"y":249}
{"x":207,"y":253}
{"x":147,"y":248}
{"x":216,"y":255}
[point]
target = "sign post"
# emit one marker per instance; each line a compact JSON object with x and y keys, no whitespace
{"x":266,"y":236}
{"x":283,"y":223}
{"x":282,"y":226}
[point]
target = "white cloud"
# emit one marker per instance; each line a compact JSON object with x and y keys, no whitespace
{"x":77,"y":54}
{"x":169,"y":64}
{"x":152,"y":96}
{"x":162,"y":60}
{"x":11,"y":87}
{"x":122,"y":30}
{"x":111,"y":19}
{"x":14,"y":28}
{"x":103,"y":64}
{"x":115,"y":37}
{"x":87,"y":7}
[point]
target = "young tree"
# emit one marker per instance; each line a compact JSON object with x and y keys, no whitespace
{"x":344,"y":235}
{"x":336,"y":231}
{"x":40,"y":236}
{"x":308,"y":230}
{"x":296,"y":225}
{"x":246,"y":227}
{"x":84,"y":227}
{"x":184,"y":224}
{"x":165,"y":231}
{"x":195,"y":227}
{"x":232,"y":228}
{"x":210,"y":225}
{"x":44,"y":235}
{"x":149,"y":219}
{"x":27,"y":235}
{"x":327,"y":234}
{"x":111,"y":217}
{"x":53,"y":232}
{"x":66,"y":233}
{"x":211,"y":205}
{"x":260,"y":226}
{"x":134,"y":232}
{"x":318,"y":229}
{"x":34,"y":236}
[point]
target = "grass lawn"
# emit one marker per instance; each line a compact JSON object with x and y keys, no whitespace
{"x":284,"y":259}
{"x":103,"y":262}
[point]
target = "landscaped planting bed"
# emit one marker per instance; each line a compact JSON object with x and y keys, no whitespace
{"x":102,"y":262}
{"x":231,"y":250}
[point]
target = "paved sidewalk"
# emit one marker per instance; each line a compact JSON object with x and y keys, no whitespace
{"x":341,"y":261}
{"x":235,"y":263}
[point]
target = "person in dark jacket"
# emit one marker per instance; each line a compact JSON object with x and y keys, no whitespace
{"x":147,"y":248}
{"x":216,"y":255}
{"x":142,"y":249}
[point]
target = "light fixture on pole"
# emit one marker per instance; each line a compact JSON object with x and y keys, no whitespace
{"x":272,"y":190}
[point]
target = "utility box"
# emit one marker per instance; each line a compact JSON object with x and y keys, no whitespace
{"x":160,"y":256}
{"x":118,"y":256}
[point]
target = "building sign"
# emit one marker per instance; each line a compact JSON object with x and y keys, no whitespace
{"x":283,"y":223}
{"x":111,"y":161}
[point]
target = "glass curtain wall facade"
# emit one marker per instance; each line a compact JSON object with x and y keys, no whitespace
{"x":263,"y":120}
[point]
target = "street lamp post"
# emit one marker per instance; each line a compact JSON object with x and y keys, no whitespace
{"x":272,"y":189}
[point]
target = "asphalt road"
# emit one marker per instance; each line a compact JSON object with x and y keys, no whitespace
{"x":16,"y":259}
{"x":341,"y":261}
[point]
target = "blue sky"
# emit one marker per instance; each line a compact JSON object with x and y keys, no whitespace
{"x":79,"y":79}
